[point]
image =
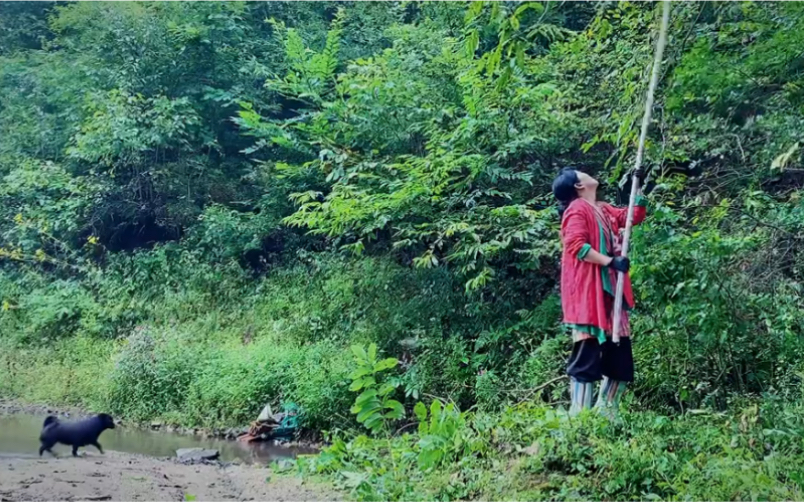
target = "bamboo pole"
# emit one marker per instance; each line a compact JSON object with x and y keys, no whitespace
{"x":654,"y":80}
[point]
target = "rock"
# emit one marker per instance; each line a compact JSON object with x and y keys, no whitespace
{"x":156,"y":425}
{"x":283,"y":465}
{"x":195,"y":455}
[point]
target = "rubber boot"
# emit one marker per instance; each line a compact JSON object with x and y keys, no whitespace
{"x":608,"y":400}
{"x":580,"y":396}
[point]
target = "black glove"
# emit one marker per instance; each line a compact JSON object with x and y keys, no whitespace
{"x":620,"y":264}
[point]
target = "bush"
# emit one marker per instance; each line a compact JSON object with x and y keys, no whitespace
{"x":544,"y":370}
{"x":536,"y":453}
{"x":39,"y":311}
{"x":72,"y":371}
{"x":152,"y":374}
{"x":716,"y":311}
{"x":235,"y":382}
{"x":191,"y":343}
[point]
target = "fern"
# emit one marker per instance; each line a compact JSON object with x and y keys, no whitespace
{"x":311,"y":75}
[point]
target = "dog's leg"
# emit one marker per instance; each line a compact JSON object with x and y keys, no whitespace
{"x":75,"y":451}
{"x":46,"y":448}
{"x":98,"y":446}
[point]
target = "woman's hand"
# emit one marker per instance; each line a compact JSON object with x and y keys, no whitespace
{"x":620,"y":264}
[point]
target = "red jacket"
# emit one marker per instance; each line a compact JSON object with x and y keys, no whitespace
{"x":584,"y":285}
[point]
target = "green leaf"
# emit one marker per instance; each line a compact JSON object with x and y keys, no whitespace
{"x":386,"y":389}
{"x":366,"y":396}
{"x":435,"y":412}
{"x":359,"y":352}
{"x":420,"y":410}
{"x":374,"y":422}
{"x":366,"y":413}
{"x":472,"y":43}
{"x":385,"y":364}
{"x":372,"y":353}
{"x":360,"y":372}
{"x":397,"y":411}
{"x":474,"y":10}
{"x":520,"y":54}
{"x":528,"y":5}
{"x":494,"y":58}
{"x":428,"y":458}
{"x":362,"y":383}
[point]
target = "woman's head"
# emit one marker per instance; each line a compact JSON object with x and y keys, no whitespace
{"x":571,"y":184}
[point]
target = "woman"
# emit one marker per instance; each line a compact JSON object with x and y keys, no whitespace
{"x":591,"y":235}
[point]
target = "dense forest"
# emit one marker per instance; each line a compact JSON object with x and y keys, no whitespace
{"x":206,"y":207}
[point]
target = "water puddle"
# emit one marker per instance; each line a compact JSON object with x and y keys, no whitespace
{"x":19,"y":436}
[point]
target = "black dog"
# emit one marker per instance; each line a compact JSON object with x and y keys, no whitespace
{"x":75,"y":434}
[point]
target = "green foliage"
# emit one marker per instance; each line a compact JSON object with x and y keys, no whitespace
{"x":696,"y":357}
{"x":541,"y":375}
{"x":415,"y":177}
{"x":535,"y":453}
{"x":442,"y":436}
{"x":43,"y":205}
{"x":150,"y":375}
{"x":374,"y":406}
{"x":180,"y":339}
{"x":310,"y":74}
{"x":205,"y":205}
{"x":69,"y":371}
{"x":122,"y":128}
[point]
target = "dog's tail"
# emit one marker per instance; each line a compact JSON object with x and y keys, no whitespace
{"x":50,"y":420}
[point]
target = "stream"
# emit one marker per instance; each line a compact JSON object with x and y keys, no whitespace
{"x":19,"y":436}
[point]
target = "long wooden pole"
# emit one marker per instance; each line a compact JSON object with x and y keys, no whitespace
{"x":654,"y":80}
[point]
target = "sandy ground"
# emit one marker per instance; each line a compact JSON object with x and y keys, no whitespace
{"x":122,"y":476}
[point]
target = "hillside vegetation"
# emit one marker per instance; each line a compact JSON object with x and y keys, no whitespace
{"x":205,"y":206}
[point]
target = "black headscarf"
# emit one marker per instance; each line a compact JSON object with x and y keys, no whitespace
{"x":564,"y":188}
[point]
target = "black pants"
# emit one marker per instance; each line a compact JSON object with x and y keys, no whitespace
{"x":590,"y":361}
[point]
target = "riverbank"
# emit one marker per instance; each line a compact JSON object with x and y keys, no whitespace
{"x":122,"y":476}
{"x":15,"y":407}
{"x":20,"y":425}
{"x":144,"y":473}
{"x":203,"y":383}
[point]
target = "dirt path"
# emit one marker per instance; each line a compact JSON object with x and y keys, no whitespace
{"x":122,"y":476}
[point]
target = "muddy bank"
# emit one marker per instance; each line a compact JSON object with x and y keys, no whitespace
{"x":121,"y":476}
